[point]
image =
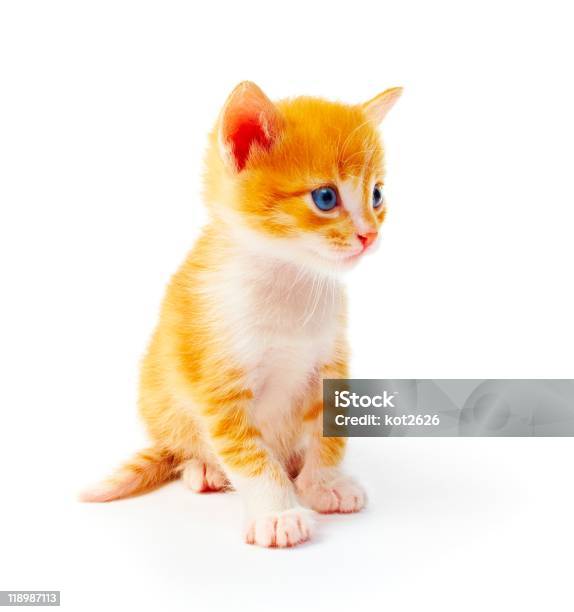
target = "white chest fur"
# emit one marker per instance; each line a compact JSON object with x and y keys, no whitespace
{"x":282,"y":321}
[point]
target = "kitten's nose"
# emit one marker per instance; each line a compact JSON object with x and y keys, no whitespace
{"x":367,"y":239}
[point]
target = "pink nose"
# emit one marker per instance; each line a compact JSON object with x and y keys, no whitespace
{"x":367,"y":239}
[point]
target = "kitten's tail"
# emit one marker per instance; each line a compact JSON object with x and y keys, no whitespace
{"x":144,"y":472}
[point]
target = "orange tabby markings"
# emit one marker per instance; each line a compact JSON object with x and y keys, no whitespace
{"x":145,"y":471}
{"x":255,"y":318}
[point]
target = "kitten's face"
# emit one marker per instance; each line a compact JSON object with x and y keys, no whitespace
{"x":301,"y":179}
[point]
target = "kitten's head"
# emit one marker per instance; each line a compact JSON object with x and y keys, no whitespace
{"x":300,"y":179}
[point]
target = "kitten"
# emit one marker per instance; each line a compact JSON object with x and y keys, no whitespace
{"x":255,"y":318}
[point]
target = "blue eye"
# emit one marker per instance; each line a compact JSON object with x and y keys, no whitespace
{"x":377,"y":196}
{"x":325,"y":198}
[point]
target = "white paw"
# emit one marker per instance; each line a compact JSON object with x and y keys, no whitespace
{"x":340,"y":495}
{"x":202,"y":477}
{"x":280,"y":529}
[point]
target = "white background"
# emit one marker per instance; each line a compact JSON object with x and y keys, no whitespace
{"x":104,"y":109}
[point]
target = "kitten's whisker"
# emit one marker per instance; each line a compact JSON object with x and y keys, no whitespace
{"x":350,"y":135}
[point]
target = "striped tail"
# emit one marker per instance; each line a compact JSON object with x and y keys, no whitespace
{"x":147,"y":470}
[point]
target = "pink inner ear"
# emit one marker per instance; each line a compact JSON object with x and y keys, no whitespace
{"x":246,"y":132}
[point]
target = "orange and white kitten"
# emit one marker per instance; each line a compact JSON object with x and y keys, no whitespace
{"x":254,"y":319}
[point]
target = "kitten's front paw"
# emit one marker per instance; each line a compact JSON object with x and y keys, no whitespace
{"x":280,"y":529}
{"x":340,"y":495}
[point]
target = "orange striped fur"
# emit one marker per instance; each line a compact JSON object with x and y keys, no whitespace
{"x":255,"y":317}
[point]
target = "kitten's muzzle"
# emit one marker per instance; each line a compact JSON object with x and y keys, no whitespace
{"x":367,"y":239}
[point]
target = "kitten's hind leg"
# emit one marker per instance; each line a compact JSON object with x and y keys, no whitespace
{"x":203,"y":477}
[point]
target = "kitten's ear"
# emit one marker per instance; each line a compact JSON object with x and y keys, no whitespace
{"x":249,"y":119}
{"x":380,"y":105}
